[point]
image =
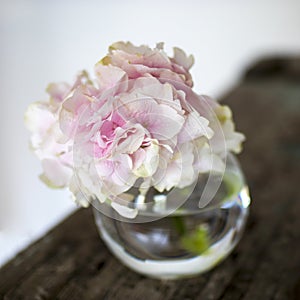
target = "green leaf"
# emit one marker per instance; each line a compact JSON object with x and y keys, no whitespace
{"x":233,"y":185}
{"x":196,"y":242}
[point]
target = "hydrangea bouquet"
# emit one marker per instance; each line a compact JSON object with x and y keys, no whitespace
{"x":135,"y":123}
{"x":137,"y":142}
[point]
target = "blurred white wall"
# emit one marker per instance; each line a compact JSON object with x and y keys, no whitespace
{"x":44,"y":41}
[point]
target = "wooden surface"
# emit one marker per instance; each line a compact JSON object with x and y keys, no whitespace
{"x":71,"y":262}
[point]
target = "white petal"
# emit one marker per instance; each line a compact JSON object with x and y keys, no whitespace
{"x":125,"y":211}
{"x":38,"y":117}
{"x":150,"y":163}
{"x":182,"y":59}
{"x":55,"y":174}
{"x":194,"y":127}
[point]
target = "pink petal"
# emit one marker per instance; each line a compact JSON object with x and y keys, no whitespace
{"x":110,"y":77}
{"x":129,"y":140}
{"x":58,"y":91}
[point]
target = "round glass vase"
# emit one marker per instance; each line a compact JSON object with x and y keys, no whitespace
{"x":172,"y":243}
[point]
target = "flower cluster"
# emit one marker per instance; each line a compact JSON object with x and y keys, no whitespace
{"x":137,"y":122}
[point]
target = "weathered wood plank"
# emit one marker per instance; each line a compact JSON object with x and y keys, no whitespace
{"x":69,"y":235}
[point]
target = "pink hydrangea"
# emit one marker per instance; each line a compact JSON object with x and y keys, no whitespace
{"x":144,"y":61}
{"x":137,"y":123}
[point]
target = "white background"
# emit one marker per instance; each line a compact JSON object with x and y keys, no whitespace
{"x":44,"y":41}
